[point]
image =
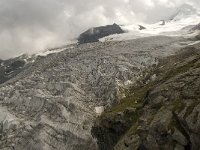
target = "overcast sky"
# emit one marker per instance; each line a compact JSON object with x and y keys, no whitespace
{"x":32,"y":25}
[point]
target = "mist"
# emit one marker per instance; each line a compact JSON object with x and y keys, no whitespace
{"x":29,"y":26}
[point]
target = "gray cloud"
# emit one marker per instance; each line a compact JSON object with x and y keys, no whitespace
{"x":27,"y":26}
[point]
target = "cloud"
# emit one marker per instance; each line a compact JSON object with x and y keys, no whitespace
{"x":28,"y":26}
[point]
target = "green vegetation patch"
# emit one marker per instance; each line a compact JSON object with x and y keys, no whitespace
{"x":133,"y":101}
{"x":182,"y":69}
{"x":178,"y":105}
{"x":190,"y":108}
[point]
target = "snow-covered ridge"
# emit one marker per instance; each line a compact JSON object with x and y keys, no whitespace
{"x":186,"y":15}
{"x":184,"y":11}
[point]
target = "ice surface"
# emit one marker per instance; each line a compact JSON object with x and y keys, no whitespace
{"x":176,"y":26}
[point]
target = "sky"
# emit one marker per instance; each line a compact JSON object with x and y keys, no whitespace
{"x":28,"y":26}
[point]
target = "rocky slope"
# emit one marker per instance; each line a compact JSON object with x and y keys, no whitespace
{"x":161,"y":111}
{"x":51,"y":104}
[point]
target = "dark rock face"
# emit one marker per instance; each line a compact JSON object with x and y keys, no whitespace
{"x":94,"y":34}
{"x":111,"y":129}
{"x":163,"y":22}
{"x":167,"y":110}
{"x":141,"y":27}
{"x":197,"y":27}
{"x":15,"y":65}
{"x":11,"y":67}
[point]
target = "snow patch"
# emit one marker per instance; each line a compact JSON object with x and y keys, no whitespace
{"x":7,"y":119}
{"x":50,"y":52}
{"x":99,"y":110}
{"x":193,"y":43}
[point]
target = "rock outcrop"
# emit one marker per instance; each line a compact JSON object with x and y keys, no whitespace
{"x":197,"y":27}
{"x":141,"y":27}
{"x":11,"y":67}
{"x":163,"y":22}
{"x":94,"y":34}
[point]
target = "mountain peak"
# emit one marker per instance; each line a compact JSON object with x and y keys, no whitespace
{"x":184,"y":11}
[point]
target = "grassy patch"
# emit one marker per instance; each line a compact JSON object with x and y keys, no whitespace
{"x":133,"y":129}
{"x":181,"y":69}
{"x":133,"y":101}
{"x":190,"y":108}
{"x":178,"y":105}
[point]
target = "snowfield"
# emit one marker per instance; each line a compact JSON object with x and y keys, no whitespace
{"x":178,"y":25}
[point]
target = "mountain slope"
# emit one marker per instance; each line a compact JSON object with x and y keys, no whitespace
{"x":51,"y":105}
{"x":160,"y":114}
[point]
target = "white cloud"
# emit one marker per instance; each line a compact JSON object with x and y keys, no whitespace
{"x":149,"y":3}
{"x":32,"y":25}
